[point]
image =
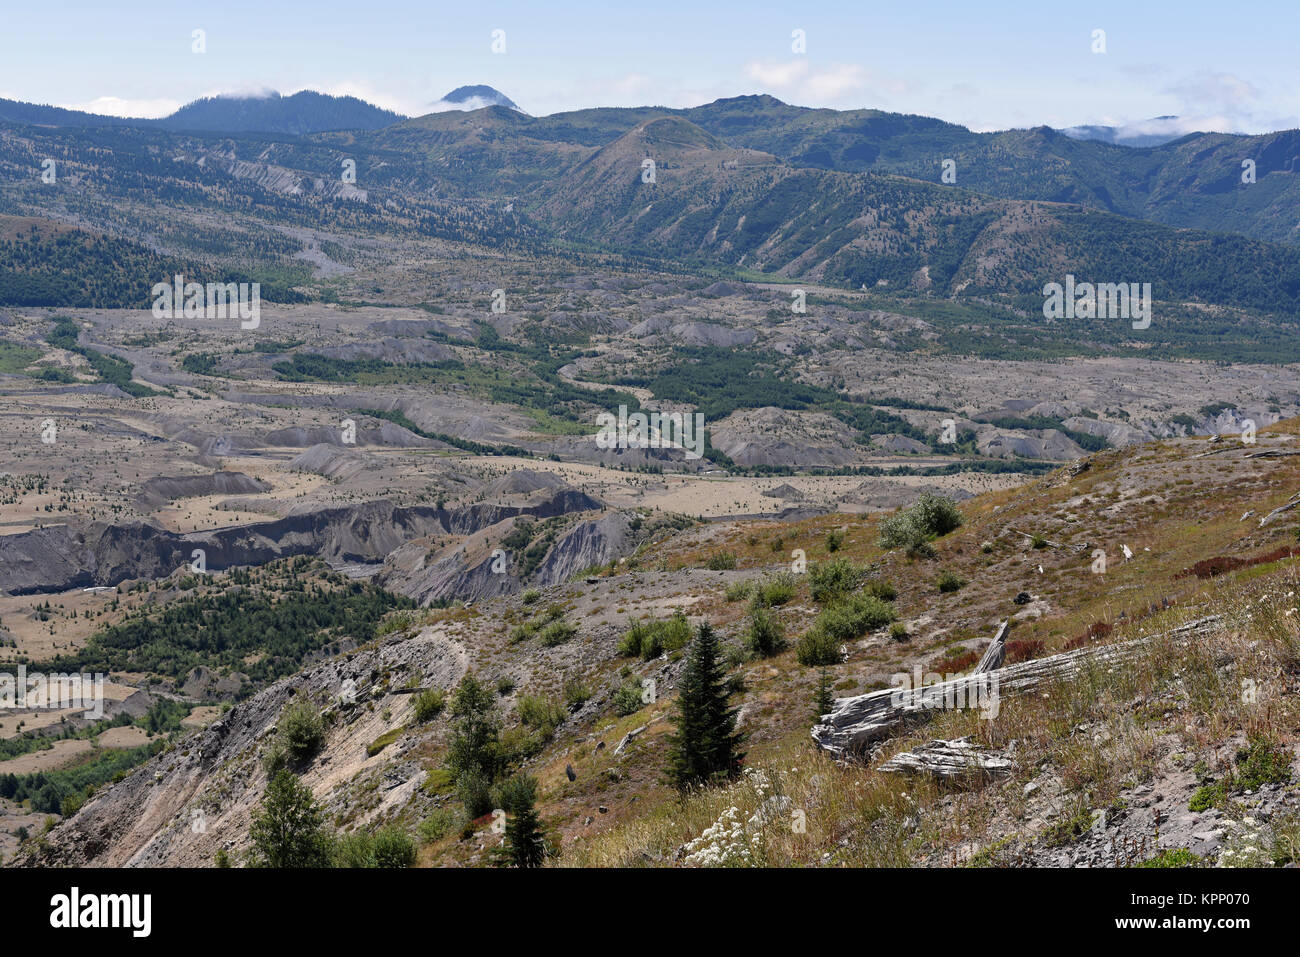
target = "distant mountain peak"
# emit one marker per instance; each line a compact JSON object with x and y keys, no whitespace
{"x":476,"y":97}
{"x":1153,"y":132}
{"x":269,"y":112}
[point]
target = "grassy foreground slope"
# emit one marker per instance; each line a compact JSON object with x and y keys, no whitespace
{"x":1184,"y":755}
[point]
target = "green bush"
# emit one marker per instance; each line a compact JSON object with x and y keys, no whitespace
{"x":912,"y":528}
{"x":387,"y":847}
{"x":765,"y":636}
{"x":531,"y":596}
{"x":816,"y":648}
{"x":880,"y":589}
{"x":853,"y":617}
{"x":301,"y":730}
{"x":429,"y":704}
{"x":1173,"y":857}
{"x":627,"y":699}
{"x":778,"y":589}
{"x":1262,"y":762}
{"x":393,"y":847}
{"x":949,"y":581}
{"x":437,"y":825}
{"x":833,"y":579}
{"x":650,"y":639}
{"x":739,"y":591}
{"x":576,"y":693}
{"x":834,"y":539}
{"x":540,"y":713}
{"x":556,"y":633}
{"x":721,"y":562}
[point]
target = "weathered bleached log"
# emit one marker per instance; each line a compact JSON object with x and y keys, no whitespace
{"x":1291,"y":503}
{"x":957,"y":761}
{"x":995,"y":652}
{"x":1051,"y":544}
{"x":1272,"y":453}
{"x":855,"y":723}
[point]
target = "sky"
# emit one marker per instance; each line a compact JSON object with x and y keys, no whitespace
{"x":1216,"y":66}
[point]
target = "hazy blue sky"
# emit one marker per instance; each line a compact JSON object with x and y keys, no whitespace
{"x":1218,"y":65}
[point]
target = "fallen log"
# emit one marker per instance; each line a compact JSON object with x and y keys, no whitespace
{"x":954,"y":761}
{"x":855,"y":723}
{"x":995,"y":652}
{"x":1291,"y":503}
{"x":1049,"y":543}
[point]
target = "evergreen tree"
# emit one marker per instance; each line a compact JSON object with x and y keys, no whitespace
{"x":525,"y":844}
{"x":706,"y":746}
{"x":824,"y":700}
{"x":474,"y":752}
{"x":288,"y":829}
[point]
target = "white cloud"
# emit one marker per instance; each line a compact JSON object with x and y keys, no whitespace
{"x":840,"y":85}
{"x":117,"y":106}
{"x":362,"y":91}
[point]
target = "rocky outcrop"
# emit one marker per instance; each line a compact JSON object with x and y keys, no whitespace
{"x":1049,"y":444}
{"x":331,"y":462}
{"x":215,"y":776}
{"x":480,"y":568}
{"x":1116,"y":433}
{"x":63,"y":557}
{"x":157,"y":492}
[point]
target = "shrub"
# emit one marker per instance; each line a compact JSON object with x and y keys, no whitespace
{"x":474,"y":790}
{"x":834,"y":539}
{"x":816,"y":648}
{"x":556,"y":633}
{"x":540,"y":713}
{"x":765,"y":635}
{"x":301,"y":730}
{"x":739,"y":591}
{"x":549,"y":625}
{"x":956,"y":662}
{"x":1262,"y":762}
{"x":721,"y":562}
{"x":949,"y":581}
{"x":880,"y":589}
{"x":1018,"y":651}
{"x":531,"y":596}
{"x":833,"y":579}
{"x":1173,"y":857}
{"x":853,"y":617}
{"x":898,"y":631}
{"x":429,"y":703}
{"x":437,"y":825}
{"x":929,"y":517}
{"x":778,"y":589}
{"x":650,"y":639}
{"x":576,"y":693}
{"x":393,"y":847}
{"x":505,"y":685}
{"x":627,"y":699}
{"x":387,"y":847}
